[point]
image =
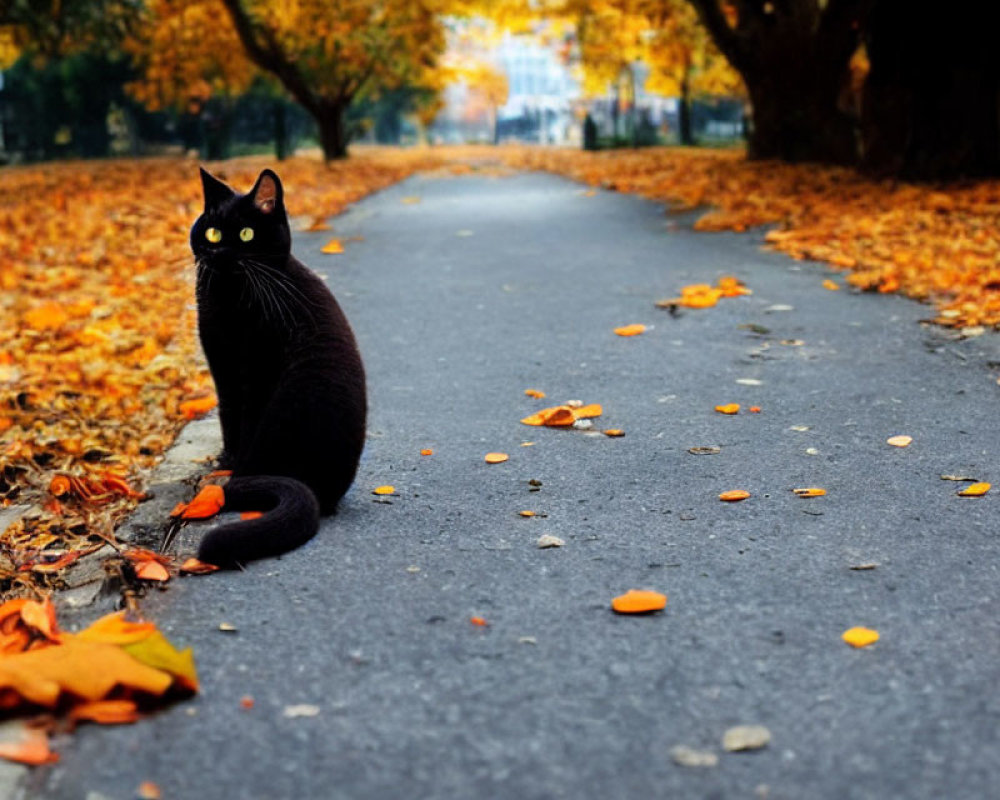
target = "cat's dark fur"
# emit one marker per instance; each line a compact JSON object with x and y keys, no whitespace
{"x":287,"y":372}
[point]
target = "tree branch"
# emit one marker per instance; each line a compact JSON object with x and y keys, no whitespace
{"x":726,"y":39}
{"x":265,"y":51}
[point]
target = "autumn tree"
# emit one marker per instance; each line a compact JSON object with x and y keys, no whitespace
{"x":684,"y":61}
{"x":65,"y":69}
{"x":793,"y":57}
{"x":190,"y":63}
{"x":326,"y":54}
{"x":52,"y":29}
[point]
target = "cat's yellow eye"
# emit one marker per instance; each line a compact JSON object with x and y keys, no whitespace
{"x":246,"y":234}
{"x":214,"y":235}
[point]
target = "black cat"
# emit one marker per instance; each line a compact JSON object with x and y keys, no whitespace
{"x":287,"y":372}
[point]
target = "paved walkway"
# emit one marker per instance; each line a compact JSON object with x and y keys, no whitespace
{"x":368,"y":679}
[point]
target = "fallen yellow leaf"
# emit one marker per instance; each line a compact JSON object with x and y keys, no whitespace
{"x":828,"y":284}
{"x":899,"y":441}
{"x":496,"y":458}
{"x":630,"y":330}
{"x":333,"y":247}
{"x":728,"y":408}
{"x":975,"y":489}
{"x":812,"y":491}
{"x":734,"y":495}
{"x":860,"y":637}
{"x":534,"y":393}
{"x":387,"y":489}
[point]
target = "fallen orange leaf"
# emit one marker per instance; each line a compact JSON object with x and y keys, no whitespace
{"x":478,"y":621}
{"x":33,"y":750}
{"x":85,"y":669}
{"x":860,"y":637}
{"x":828,"y":284}
{"x":59,"y":485}
{"x":728,"y":408}
{"x":563,"y":416}
{"x":106,"y":712}
{"x":534,"y":393}
{"x":734,"y":495}
{"x":588,"y":412}
{"x":526,"y":513}
{"x":192,"y":566}
{"x":809,"y":492}
{"x":630,"y":330}
{"x":198,"y":406}
{"x":496,"y":458}
{"x":754,"y":409}
{"x":613,"y":432}
{"x":975,"y":489}
{"x":426,"y":452}
{"x":148,"y":791}
{"x":333,"y":246}
{"x":151,"y":571}
{"x":207,"y":503}
{"x":639,"y":601}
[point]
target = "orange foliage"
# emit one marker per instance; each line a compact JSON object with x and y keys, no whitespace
{"x":99,"y":361}
{"x":207,"y":503}
{"x":99,"y":674}
{"x":937,"y":245}
{"x":639,"y":601}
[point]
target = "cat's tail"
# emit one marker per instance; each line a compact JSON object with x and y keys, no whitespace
{"x":290,"y":519}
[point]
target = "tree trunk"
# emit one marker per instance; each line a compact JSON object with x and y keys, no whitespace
{"x":796,"y":118}
{"x":932,"y":118}
{"x":794,"y":59}
{"x":280,"y":131}
{"x":684,"y":112}
{"x":333,"y":136}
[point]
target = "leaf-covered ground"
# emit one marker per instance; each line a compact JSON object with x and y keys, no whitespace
{"x":99,"y":360}
{"x":937,"y":244}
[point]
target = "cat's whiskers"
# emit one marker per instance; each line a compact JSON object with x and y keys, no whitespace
{"x":260,"y":290}
{"x":282,"y":291}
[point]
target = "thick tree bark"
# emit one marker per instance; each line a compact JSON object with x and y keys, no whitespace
{"x":793,"y":57}
{"x":931,"y":102}
{"x":796,"y":118}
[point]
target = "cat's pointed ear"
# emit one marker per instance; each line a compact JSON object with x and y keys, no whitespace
{"x":267,"y":193}
{"x":216,"y":192}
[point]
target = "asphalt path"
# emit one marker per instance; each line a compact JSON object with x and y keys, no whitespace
{"x":369,"y":680}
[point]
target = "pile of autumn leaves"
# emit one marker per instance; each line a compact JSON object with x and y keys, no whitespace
{"x":938,"y":245}
{"x":99,"y":361}
{"x":106,"y":673}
